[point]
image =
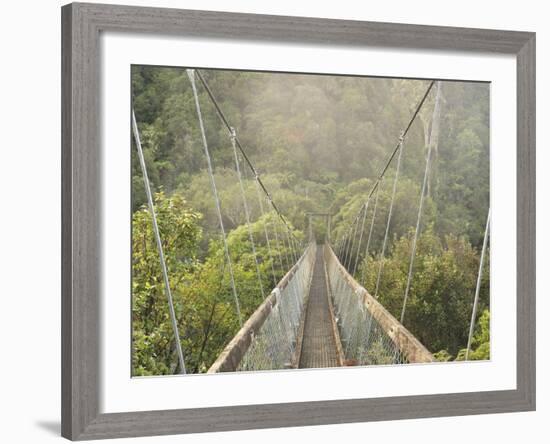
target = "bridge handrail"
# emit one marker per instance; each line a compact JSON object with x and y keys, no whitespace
{"x":412,"y":348}
{"x":230,"y":358}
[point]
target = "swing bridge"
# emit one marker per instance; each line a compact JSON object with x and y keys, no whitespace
{"x":318,"y":315}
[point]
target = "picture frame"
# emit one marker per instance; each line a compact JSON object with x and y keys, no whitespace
{"x":81,"y":206}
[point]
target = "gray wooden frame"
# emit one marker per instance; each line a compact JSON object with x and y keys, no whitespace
{"x":81,"y":231}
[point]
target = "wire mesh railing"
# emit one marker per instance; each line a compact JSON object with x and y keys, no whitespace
{"x":370,"y":335}
{"x":268,"y":339}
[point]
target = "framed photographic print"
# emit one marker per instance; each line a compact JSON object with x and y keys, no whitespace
{"x":278,"y":221}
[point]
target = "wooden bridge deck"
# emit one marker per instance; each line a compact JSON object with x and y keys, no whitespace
{"x":319,"y":346}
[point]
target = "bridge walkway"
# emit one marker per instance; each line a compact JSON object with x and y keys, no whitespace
{"x":319,"y":344}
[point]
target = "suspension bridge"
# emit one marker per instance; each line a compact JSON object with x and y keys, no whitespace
{"x":318,"y":315}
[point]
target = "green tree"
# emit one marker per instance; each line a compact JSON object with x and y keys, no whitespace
{"x":441,"y":295}
{"x":153,"y":339}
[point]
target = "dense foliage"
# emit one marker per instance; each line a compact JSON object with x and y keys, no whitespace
{"x":437,"y":310}
{"x":318,"y":143}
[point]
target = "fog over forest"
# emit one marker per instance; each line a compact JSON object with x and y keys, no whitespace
{"x":319,"y":144}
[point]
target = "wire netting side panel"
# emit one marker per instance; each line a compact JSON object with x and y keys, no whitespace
{"x":274,"y":344}
{"x":363,"y":339}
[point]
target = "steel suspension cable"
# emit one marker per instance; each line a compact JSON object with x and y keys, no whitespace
{"x":350,"y":243}
{"x":390,"y":211}
{"x":247,"y":213}
{"x":261,"y":214}
{"x":345,"y":241}
{"x":402,"y":137}
{"x":268,"y":242}
{"x":288,"y":247}
{"x":361,"y":237}
{"x":279,"y":247}
{"x":160,"y":249}
{"x":296,"y":246}
{"x":350,"y":239}
{"x":363,"y":274}
{"x":239,"y":145}
{"x":191,"y":75}
{"x":421,"y":203}
{"x":345,"y":245}
{"x":478,"y":284}
{"x":376,"y":187}
{"x":359,"y":232}
{"x":336,"y":245}
{"x":354,"y":235}
{"x":293,"y":250}
{"x":340,"y":246}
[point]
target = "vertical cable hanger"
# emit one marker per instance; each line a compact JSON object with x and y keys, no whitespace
{"x":156,"y":232}
{"x":478,"y":284}
{"x":246,"y":212}
{"x":435,"y":118}
{"x":224,"y":120}
{"x":390,"y":211}
{"x":265,"y":228}
{"x":361,"y":237}
{"x":191,"y":75}
{"x":388,"y":162}
{"x":363,"y":274}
